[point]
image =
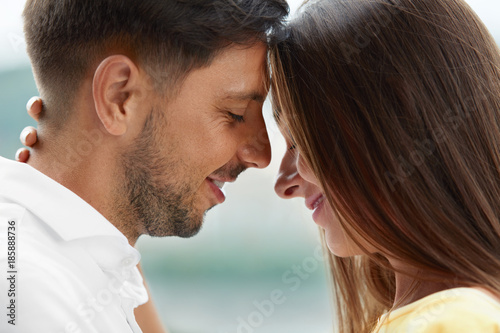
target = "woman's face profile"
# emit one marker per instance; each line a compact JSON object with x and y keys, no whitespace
{"x":296,"y":179}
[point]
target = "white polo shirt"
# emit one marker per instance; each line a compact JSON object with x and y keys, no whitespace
{"x":64,"y":267}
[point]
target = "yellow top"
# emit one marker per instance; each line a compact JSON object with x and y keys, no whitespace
{"x":460,"y":310}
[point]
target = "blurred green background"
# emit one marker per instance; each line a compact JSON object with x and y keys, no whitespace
{"x":221,"y":280}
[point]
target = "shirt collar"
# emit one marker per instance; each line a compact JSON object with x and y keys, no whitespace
{"x":64,"y":211}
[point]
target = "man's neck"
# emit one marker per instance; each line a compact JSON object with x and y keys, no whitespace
{"x":90,"y":174}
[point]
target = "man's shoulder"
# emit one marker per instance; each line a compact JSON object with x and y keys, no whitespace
{"x":40,"y":275}
{"x":36,"y":250}
{"x":20,"y":225}
{"x":10,"y":209}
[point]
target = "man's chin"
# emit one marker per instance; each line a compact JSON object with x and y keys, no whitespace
{"x":189,"y":234}
{"x":178,"y":232}
{"x":189,"y":228}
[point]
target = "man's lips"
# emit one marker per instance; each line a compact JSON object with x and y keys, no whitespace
{"x":226,"y":174}
{"x":219,"y":195}
{"x":220,"y":182}
{"x":216,"y":186}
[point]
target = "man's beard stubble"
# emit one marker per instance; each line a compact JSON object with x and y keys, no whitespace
{"x":158,"y":209}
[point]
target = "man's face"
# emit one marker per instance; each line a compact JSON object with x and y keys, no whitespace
{"x":211,"y":131}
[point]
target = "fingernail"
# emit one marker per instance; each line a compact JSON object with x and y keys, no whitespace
{"x":24,"y":135}
{"x":31,"y":102}
{"x":18,"y":153}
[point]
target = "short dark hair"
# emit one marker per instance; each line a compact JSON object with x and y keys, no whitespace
{"x":66,"y":38}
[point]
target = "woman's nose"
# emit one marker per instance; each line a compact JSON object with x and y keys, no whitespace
{"x":289,"y":183}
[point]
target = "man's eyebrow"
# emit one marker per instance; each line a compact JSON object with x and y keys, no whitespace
{"x":252,"y":96}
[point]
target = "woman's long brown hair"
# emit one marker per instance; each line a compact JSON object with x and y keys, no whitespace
{"x":394,"y":104}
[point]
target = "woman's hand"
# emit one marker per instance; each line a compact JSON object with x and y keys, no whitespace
{"x":147,"y":316}
{"x":28,"y":135}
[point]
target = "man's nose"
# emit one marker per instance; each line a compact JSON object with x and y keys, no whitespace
{"x":289,"y":183}
{"x":256,"y":151}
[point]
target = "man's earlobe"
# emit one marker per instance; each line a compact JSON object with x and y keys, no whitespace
{"x":115,"y":81}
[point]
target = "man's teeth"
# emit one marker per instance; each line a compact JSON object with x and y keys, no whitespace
{"x":218,"y":183}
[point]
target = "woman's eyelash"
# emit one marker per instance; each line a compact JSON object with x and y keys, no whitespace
{"x":236,"y":117}
{"x":292,"y":147}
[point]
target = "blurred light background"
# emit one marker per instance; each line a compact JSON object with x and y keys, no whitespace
{"x":255,"y":244}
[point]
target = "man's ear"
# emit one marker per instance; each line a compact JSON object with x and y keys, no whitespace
{"x":116,"y":89}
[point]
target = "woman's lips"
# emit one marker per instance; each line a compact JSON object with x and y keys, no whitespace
{"x":318,"y":209}
{"x":316,"y":203}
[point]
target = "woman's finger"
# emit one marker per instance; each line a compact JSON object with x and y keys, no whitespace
{"x":22,"y":155}
{"x":34,"y":107}
{"x":28,"y":136}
